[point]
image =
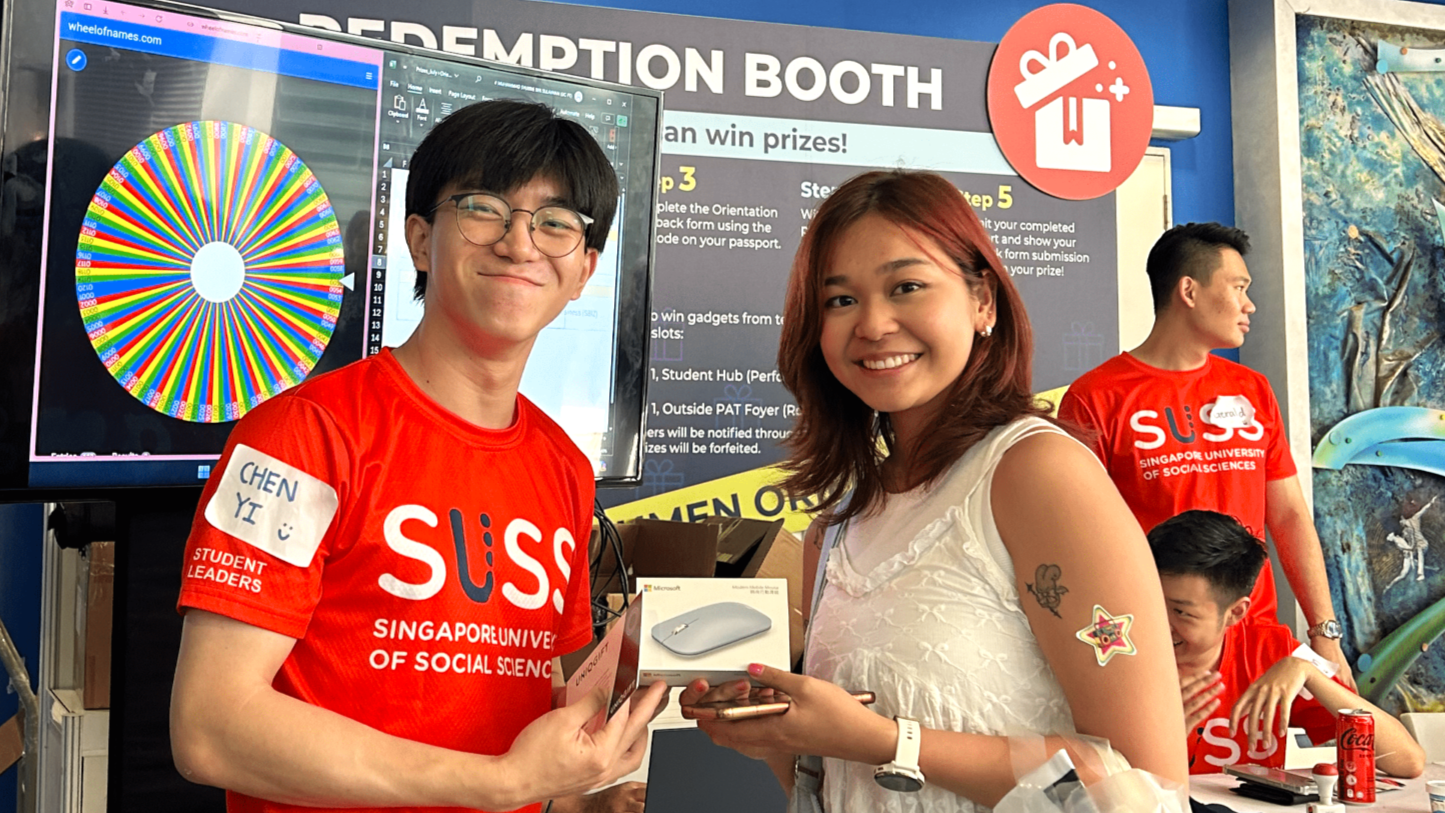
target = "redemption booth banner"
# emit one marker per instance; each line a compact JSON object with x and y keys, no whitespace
{"x":1367,"y":115}
{"x":762,"y":121}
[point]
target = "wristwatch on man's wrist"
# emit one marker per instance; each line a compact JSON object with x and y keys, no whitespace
{"x":903,"y":774}
{"x":1329,"y":628}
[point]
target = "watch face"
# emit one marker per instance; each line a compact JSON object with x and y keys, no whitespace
{"x":899,"y":782}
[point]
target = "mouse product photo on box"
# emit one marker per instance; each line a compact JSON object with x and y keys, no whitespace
{"x":710,"y":628}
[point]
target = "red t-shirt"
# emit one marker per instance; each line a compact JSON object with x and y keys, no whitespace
{"x":429,"y":569}
{"x":1156,"y":438}
{"x":1249,"y":651}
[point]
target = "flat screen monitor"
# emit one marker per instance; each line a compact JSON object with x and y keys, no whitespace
{"x":202,"y":210}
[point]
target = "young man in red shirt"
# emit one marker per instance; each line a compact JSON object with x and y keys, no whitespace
{"x":1245,"y":684}
{"x":391,"y":558}
{"x":1179,"y":428}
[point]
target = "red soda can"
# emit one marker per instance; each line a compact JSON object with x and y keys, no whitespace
{"x":1355,"y":744}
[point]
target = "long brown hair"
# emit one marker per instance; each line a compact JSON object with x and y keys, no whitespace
{"x":835,"y":443}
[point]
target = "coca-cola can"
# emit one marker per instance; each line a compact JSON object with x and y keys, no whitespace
{"x":1355,"y":744}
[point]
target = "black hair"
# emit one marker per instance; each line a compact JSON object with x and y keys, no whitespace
{"x":1212,"y":545}
{"x":499,"y":145}
{"x":1190,"y":250}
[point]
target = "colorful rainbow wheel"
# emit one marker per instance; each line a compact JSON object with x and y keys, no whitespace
{"x":209,"y":270}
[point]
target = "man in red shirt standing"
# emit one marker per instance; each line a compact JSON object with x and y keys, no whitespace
{"x":1245,"y":684}
{"x":1179,"y":428}
{"x":391,"y":558}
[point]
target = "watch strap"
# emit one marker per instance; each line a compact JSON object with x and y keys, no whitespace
{"x":1329,"y":628}
{"x":910,"y":741}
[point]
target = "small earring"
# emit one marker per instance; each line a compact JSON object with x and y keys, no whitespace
{"x":987,"y":331}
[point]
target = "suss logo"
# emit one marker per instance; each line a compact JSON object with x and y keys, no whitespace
{"x":1183,"y":427}
{"x":517,"y":532}
{"x":1216,"y":733}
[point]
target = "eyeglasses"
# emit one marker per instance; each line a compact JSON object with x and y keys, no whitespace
{"x":484,"y":219}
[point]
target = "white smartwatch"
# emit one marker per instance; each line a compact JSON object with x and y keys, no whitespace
{"x":902,"y":774}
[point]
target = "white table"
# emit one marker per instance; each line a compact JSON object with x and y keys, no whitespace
{"x":1214,"y":789}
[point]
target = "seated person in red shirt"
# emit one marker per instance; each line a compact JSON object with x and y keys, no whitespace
{"x":1245,"y":684}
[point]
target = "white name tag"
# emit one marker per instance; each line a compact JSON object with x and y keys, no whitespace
{"x":1231,"y":412}
{"x":271,"y":505}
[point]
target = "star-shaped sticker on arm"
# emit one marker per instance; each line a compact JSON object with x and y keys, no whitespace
{"x":1108,"y":634}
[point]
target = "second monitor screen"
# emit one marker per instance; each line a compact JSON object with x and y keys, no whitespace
{"x":572,"y":370}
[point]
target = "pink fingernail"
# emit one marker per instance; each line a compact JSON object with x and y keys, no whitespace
{"x":755,"y":668}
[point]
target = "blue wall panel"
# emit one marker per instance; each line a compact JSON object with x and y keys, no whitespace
{"x":21,"y":536}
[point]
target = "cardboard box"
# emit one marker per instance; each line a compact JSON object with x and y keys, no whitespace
{"x":710,"y":628}
{"x":731,"y":547}
{"x":12,"y":743}
{"x":743,"y":544}
{"x":99,"y":587}
{"x":784,"y":560}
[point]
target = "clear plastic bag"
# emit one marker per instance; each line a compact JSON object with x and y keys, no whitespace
{"x":1054,"y":786}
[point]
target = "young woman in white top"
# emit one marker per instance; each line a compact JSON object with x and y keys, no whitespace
{"x":987,"y":581}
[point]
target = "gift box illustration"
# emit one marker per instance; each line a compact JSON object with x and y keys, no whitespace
{"x":1070,"y":132}
{"x":730,"y":409}
{"x":1083,"y":348}
{"x":659,"y":478}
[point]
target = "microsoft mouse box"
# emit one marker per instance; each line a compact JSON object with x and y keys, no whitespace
{"x":710,"y":628}
{"x":676,"y":630}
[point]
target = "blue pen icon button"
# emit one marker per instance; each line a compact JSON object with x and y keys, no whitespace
{"x":75,"y":58}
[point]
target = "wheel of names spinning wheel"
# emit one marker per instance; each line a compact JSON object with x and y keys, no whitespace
{"x":208,"y":271}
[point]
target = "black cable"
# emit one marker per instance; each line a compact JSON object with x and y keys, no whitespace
{"x":614,"y":536}
{"x":608,"y":537}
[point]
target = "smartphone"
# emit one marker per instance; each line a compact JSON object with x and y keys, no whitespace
{"x":751,"y":706}
{"x":1298,"y":783}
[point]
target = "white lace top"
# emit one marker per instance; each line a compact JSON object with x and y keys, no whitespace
{"x":935,"y":630}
